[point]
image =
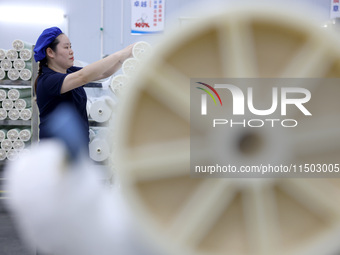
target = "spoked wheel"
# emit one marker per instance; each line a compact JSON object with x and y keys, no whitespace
{"x":231,"y":216}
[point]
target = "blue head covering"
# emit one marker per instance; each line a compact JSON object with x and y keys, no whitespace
{"x":44,"y":40}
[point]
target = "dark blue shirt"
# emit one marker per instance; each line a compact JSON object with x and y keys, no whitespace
{"x":49,"y":97}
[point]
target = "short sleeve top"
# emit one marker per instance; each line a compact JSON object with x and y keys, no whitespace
{"x":49,"y":97}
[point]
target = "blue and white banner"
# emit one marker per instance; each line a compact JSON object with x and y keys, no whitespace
{"x":147,"y":17}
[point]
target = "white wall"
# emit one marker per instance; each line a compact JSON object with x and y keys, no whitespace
{"x":84,"y":23}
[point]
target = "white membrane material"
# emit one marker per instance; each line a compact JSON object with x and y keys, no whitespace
{"x":25,"y":74}
{"x":100,"y":111}
{"x":20,"y":45}
{"x":26,"y":114}
{"x":25,"y":54}
{"x":6,"y":64}
{"x":13,"y":114}
{"x":13,"y":74}
{"x":13,"y":94}
{"x":25,"y":135}
{"x":99,"y":149}
{"x":12,"y":54}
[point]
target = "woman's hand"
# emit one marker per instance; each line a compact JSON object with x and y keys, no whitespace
{"x":126,"y":53}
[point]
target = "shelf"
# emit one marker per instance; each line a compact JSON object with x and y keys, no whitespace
{"x":9,"y":122}
{"x":15,"y":83}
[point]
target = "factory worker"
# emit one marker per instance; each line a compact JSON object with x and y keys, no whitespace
{"x":60,"y":82}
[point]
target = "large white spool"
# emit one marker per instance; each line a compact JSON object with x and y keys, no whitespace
{"x":100,"y":110}
{"x":99,"y":149}
{"x":229,"y":216}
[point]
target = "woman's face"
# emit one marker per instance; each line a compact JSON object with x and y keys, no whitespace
{"x":63,"y":56}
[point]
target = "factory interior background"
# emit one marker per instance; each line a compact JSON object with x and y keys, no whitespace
{"x":138,"y":194}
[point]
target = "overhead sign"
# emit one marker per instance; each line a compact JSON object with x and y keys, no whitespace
{"x":147,"y":17}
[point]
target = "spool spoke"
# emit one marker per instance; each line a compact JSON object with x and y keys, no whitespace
{"x":176,"y":99}
{"x":307,"y":61}
{"x":260,"y":211}
{"x":158,"y":161}
{"x":237,"y":50}
{"x":315,"y":199}
{"x":199,"y":215}
{"x":318,"y":140}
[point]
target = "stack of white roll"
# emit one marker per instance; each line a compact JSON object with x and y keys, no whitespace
{"x":140,"y":51}
{"x":13,"y":142}
{"x":16,"y":63}
{"x":15,"y":104}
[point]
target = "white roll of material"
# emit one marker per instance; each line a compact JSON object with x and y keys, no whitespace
{"x":25,"y":54}
{"x":6,"y":144}
{"x":3,"y":94}
{"x":25,"y":135}
{"x":26,"y":114}
{"x":100,"y":110}
{"x":18,"y":145}
{"x":130,"y":66}
{"x":13,"y":94}
{"x":12,"y":54}
{"x":141,"y":50}
{"x":118,"y":83}
{"x":20,"y":45}
{"x":99,"y":150}
{"x":12,"y":154}
{"x":2,"y":54}
{"x":2,"y":74}
{"x":7,"y":104}
{"x":3,"y":114}
{"x":6,"y":64}
{"x":13,"y":74}
{"x":19,"y":64}
{"x":13,"y":114}
{"x":22,"y":103}
{"x":13,"y":134}
{"x":25,"y":74}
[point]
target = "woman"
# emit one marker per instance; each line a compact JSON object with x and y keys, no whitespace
{"x":60,"y":82}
